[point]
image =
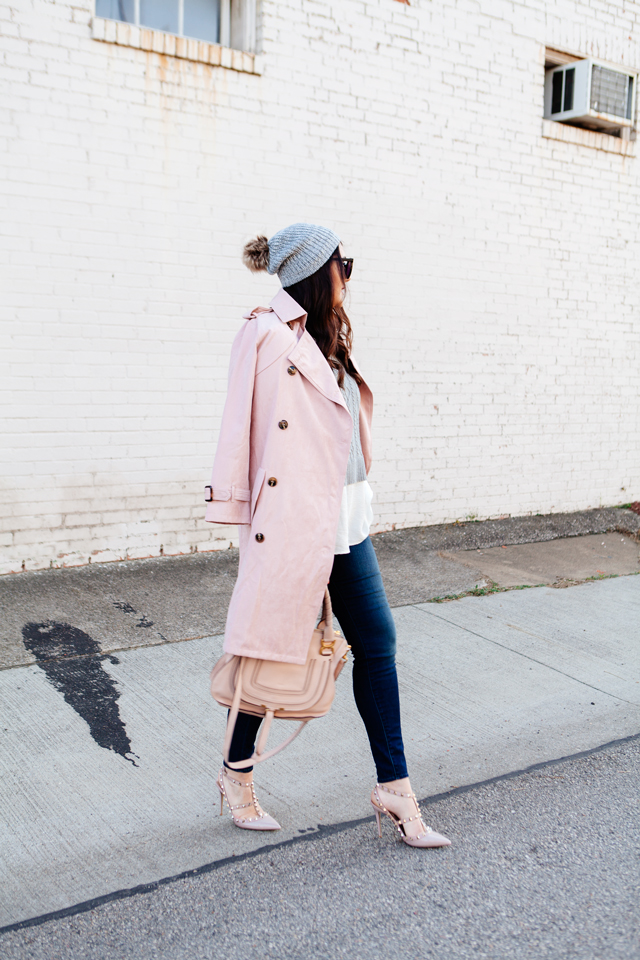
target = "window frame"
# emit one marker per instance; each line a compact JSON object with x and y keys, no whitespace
{"x":169,"y":44}
{"x":237,"y":25}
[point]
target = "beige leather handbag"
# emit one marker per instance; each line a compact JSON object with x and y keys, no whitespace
{"x":291,"y":691}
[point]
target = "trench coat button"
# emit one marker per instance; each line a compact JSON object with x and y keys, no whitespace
{"x":259,"y":537}
{"x":283,"y":424}
{"x":292,"y":370}
{"x":272,"y":481}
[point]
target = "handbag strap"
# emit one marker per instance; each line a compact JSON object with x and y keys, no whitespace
{"x":258,"y":757}
{"x":258,"y":754}
{"x":327,"y":609}
{"x":233,"y":712}
{"x":328,"y":639}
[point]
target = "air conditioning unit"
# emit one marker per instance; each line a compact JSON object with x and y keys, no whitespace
{"x":590,"y":94}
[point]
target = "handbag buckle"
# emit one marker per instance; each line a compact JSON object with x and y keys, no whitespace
{"x":326,"y":647}
{"x":208,"y":499}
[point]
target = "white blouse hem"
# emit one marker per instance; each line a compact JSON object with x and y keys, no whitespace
{"x":356,"y":516}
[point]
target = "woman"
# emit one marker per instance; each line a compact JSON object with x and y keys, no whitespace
{"x":290,"y":470}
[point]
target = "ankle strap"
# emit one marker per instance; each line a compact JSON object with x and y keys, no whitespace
{"x":239,"y":783}
{"x":396,"y":793}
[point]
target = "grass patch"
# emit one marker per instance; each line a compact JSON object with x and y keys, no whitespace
{"x":494,"y":587}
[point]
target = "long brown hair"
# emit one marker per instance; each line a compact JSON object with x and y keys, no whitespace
{"x":328,"y":325}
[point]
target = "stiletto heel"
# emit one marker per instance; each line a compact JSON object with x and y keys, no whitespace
{"x":427,"y":839}
{"x":262,"y":822}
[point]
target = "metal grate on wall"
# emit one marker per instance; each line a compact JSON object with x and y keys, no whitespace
{"x":611,"y":92}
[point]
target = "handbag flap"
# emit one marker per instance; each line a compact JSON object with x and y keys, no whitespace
{"x":288,"y":686}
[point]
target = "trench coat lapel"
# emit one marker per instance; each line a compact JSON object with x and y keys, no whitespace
{"x":305,"y":354}
{"x":310,"y":361}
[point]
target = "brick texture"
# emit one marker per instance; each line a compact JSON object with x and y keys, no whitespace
{"x":496,"y":283}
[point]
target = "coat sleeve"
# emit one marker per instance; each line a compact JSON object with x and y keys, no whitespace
{"x":230,"y":488}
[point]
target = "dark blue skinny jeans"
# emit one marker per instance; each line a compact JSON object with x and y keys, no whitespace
{"x":361,"y":607}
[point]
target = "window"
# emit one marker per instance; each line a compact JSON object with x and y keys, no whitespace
{"x":230,"y":23}
{"x":199,"y":19}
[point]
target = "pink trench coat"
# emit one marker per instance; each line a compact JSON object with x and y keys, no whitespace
{"x":279,"y":473}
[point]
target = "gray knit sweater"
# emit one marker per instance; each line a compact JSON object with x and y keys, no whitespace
{"x":356,"y":470}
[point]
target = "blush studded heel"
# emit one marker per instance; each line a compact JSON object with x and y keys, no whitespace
{"x":262,"y":820}
{"x":428,"y":838}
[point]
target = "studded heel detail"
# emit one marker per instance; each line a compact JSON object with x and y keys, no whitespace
{"x":262,"y":822}
{"x":427,"y":839}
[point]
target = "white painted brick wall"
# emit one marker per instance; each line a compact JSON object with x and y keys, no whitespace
{"x":494,"y":298}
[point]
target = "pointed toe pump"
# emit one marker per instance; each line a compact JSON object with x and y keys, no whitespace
{"x":428,"y":838}
{"x":260,"y":822}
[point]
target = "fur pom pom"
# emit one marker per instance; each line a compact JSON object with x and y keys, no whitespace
{"x":256,"y":254}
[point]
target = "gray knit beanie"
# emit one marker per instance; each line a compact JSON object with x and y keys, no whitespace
{"x":293,"y":253}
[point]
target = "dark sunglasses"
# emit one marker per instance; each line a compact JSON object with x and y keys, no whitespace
{"x":347,"y":265}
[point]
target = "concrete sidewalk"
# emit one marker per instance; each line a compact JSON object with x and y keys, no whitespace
{"x":109,"y":759}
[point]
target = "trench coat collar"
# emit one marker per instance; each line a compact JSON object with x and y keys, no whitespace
{"x":306,"y":354}
{"x":285,"y":307}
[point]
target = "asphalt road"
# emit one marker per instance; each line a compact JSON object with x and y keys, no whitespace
{"x":544,"y":864}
